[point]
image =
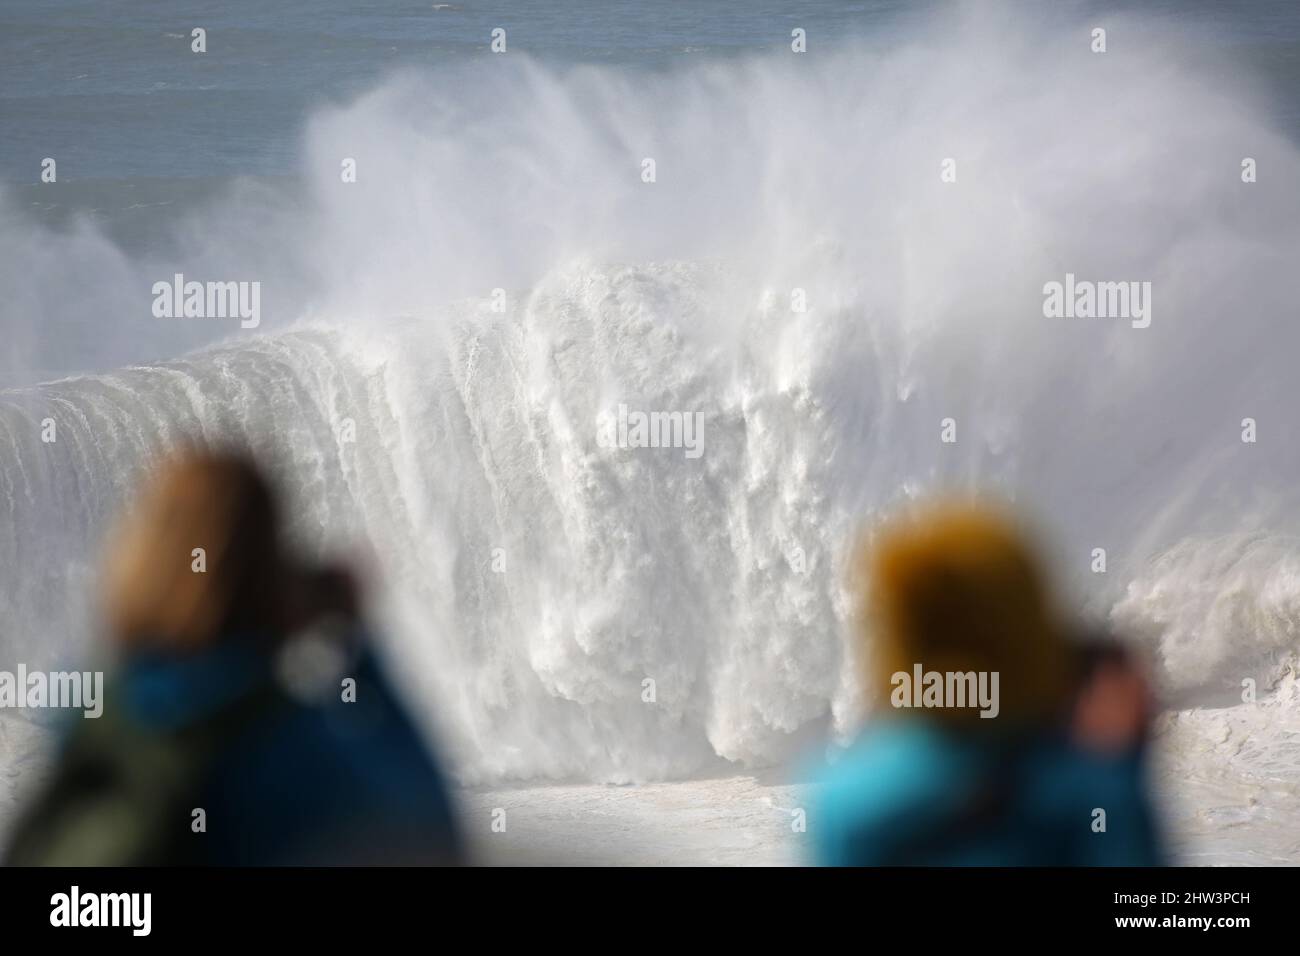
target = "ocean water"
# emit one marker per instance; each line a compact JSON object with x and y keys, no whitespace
{"x":529,"y":580}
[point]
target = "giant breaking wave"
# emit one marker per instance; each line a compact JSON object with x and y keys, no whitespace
{"x":530,"y":580}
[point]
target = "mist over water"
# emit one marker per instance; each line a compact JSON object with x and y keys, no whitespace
{"x":720,"y":578}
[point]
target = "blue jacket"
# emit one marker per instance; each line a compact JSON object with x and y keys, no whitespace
{"x":912,"y":793}
{"x":299,"y":783}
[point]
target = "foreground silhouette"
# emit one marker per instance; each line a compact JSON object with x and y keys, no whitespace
{"x":245,"y":721}
{"x":1020,"y":749}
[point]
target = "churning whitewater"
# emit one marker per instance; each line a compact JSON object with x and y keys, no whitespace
{"x":530,"y":578}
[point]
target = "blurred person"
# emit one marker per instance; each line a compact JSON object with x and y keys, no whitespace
{"x":1047,"y":770}
{"x":228,"y":735}
{"x":1113,"y":705}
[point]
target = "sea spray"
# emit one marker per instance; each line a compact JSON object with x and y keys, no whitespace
{"x":531,"y":580}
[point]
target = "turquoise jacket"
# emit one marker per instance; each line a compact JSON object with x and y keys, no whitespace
{"x":911,"y":793}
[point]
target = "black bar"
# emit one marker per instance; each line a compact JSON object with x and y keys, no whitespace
{"x":577,"y":907}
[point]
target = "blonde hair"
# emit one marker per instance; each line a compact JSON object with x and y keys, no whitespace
{"x":956,"y":588}
{"x":161,"y":590}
